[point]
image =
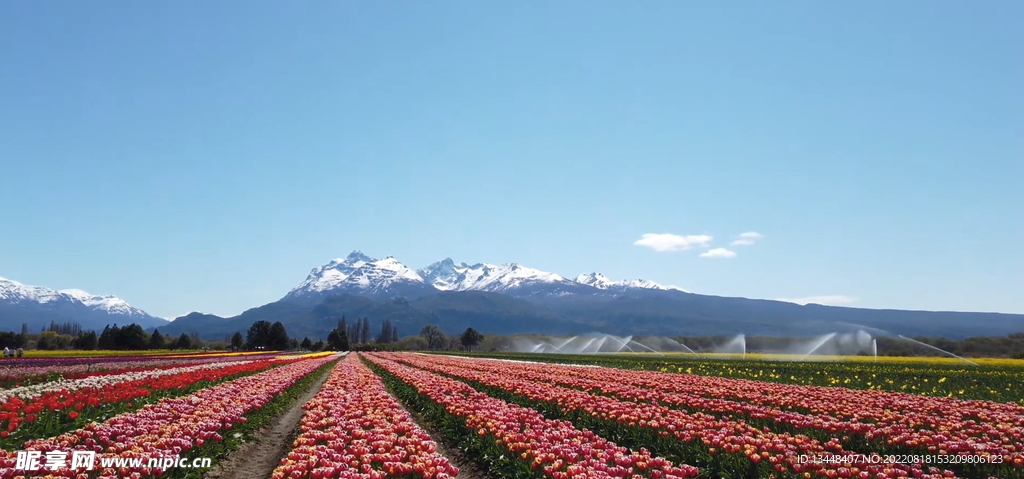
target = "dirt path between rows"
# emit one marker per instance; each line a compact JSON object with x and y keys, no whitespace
{"x":456,"y":457}
{"x":257,"y":459}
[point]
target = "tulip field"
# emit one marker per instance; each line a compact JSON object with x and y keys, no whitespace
{"x":413,"y":415}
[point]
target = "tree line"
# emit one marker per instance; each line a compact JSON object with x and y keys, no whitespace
{"x":261,"y":335}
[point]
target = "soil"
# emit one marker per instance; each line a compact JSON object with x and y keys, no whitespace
{"x":457,"y":457}
{"x":257,"y":459}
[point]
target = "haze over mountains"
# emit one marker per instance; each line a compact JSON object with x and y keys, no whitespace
{"x":502,"y":299}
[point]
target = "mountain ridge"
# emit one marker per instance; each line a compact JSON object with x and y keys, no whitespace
{"x":38,"y":306}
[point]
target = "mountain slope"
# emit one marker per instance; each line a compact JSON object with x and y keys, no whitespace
{"x":360,"y":274}
{"x":38,"y":306}
{"x":602,"y":282}
{"x":510,"y":278}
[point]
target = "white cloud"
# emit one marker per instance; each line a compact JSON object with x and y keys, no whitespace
{"x":671,"y":242}
{"x":718,"y":253}
{"x":748,"y":238}
{"x":833,"y":300}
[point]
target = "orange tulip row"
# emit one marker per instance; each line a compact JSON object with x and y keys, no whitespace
{"x":784,"y":451}
{"x":555,"y":448}
{"x":353,"y":428}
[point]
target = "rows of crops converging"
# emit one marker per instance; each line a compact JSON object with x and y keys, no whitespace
{"x":410,"y":415}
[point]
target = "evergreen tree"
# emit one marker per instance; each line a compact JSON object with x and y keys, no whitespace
{"x":318,"y":346}
{"x":364,"y":332}
{"x":306,"y":343}
{"x":470,"y":337}
{"x":385,"y":333}
{"x":132,"y":338}
{"x":394,"y":334}
{"x":278,"y":339}
{"x":156,"y":341}
{"x":236,"y":340}
{"x":352,"y":332}
{"x":258,"y":335}
{"x":184,"y":342}
{"x":337,"y":340}
{"x":85,"y":342}
{"x":108,"y":338}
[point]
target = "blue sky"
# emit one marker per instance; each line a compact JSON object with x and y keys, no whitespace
{"x":198,"y":155}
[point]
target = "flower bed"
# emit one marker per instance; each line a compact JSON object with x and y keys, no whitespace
{"x":730,"y":445}
{"x":542,"y":446}
{"x":173,"y":426}
{"x":353,"y":426}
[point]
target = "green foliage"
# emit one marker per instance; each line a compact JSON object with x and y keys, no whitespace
{"x":247,"y":431}
{"x":988,"y":382}
{"x":183,"y":342}
{"x":156,"y":340}
{"x":236,"y":341}
{"x":131,"y":337}
{"x":278,"y":339}
{"x":258,"y":335}
{"x":85,"y":342}
{"x":452,"y":431}
{"x":337,"y":340}
{"x":471,"y":338}
{"x":11,"y":340}
{"x":53,"y":423}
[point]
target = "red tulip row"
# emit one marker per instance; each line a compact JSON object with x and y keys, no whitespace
{"x":170,"y":427}
{"x":34,"y":417}
{"x":782,"y":451}
{"x":34,"y":370}
{"x":936,"y":426}
{"x":354,"y":429}
{"x":556,"y":448}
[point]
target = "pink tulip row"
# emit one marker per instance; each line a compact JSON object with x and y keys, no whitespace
{"x":782,"y":450}
{"x":77,"y":368}
{"x":354,"y":429}
{"x":556,"y":448}
{"x":936,"y":426}
{"x":27,"y":393}
{"x":170,"y":427}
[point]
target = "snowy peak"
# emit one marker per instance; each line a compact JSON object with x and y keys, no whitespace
{"x":14,"y":292}
{"x":357,"y":272}
{"x":111,"y":304}
{"x":447,"y":275}
{"x":596,"y":280}
{"x":601,"y":281}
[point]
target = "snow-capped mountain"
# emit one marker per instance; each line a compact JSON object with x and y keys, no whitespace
{"x":518,"y":280}
{"x":110,"y":304}
{"x":38,"y":305}
{"x":446,"y":275}
{"x":361,"y":274}
{"x":601,"y":281}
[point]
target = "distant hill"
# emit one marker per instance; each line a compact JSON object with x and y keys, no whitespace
{"x":498,"y":299}
{"x":38,"y":306}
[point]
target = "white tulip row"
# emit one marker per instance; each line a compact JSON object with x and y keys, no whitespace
{"x":36,"y":390}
